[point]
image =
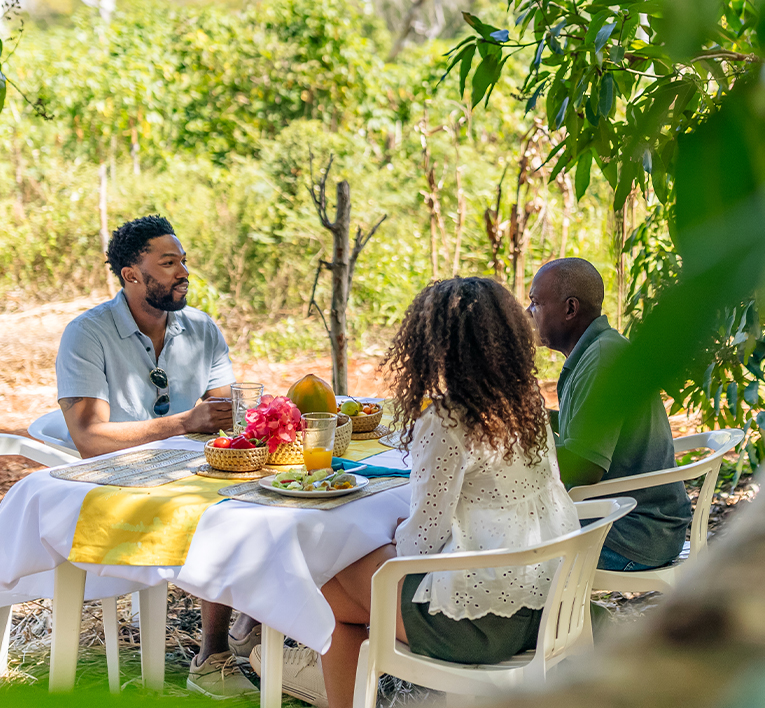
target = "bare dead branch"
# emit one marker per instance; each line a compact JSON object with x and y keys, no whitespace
{"x":320,"y":202}
{"x":312,"y":302}
{"x":359,"y":242}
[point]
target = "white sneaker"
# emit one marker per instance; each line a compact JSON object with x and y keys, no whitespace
{"x":301,"y":674}
{"x":242,"y":648}
{"x":219,"y":676}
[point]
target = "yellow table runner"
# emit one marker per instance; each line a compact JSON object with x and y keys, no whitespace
{"x":154,"y":526}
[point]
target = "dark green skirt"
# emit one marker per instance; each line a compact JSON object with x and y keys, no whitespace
{"x":487,"y":640}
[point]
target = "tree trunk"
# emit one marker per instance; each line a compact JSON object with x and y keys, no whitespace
{"x":340,"y":269}
{"x":102,"y":201}
{"x":568,"y":203}
{"x":620,"y":226}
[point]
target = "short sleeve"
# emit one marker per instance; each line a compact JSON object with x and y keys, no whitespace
{"x":595,"y":443}
{"x":221,"y":371}
{"x":80,"y":365}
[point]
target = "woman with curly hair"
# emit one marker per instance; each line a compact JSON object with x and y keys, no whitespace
{"x":484,"y":476}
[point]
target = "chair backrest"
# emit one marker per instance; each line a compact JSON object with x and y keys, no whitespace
{"x":51,"y":429}
{"x":565,"y":620}
{"x":33,"y":450}
{"x":719,"y":441}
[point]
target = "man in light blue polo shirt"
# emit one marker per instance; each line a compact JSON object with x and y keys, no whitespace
{"x":144,"y":367}
{"x":566,"y":299}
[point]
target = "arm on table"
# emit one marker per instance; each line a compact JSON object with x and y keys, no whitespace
{"x":93,"y":434}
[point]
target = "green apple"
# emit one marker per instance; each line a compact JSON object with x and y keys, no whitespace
{"x":350,"y":408}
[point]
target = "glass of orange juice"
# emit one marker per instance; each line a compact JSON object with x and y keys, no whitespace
{"x":318,"y":439}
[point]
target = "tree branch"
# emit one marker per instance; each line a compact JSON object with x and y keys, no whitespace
{"x":359,"y":242}
{"x":321,"y":202}
{"x":312,"y":302}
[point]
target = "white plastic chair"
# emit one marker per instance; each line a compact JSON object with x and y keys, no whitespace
{"x":664,"y":579}
{"x":565,"y":627}
{"x":51,"y":429}
{"x":68,"y":595}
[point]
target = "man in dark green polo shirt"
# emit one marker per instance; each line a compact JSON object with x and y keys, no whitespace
{"x":566,"y":299}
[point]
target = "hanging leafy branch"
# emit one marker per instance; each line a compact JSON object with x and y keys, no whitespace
{"x":620,"y":82}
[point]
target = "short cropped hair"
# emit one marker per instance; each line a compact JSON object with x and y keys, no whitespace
{"x":131,"y":239}
{"x":576,"y":277}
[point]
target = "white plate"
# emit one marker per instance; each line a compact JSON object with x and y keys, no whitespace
{"x":361,"y":482}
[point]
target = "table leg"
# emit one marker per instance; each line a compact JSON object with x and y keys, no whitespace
{"x":5,"y":637}
{"x":68,"y":594}
{"x":153,"y":611}
{"x":111,"y":640}
{"x":271,"y":668}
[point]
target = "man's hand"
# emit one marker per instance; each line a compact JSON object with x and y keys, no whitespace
{"x":209,"y":416}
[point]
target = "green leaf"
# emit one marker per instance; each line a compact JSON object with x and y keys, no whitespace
{"x":609,"y":170}
{"x":538,"y":55}
{"x":760,"y":420}
{"x":731,"y":395}
{"x":484,"y":30}
{"x":532,"y":102}
{"x":752,"y":393}
{"x":582,"y":181}
{"x":485,"y":75}
{"x":616,"y":54}
{"x":606,"y":95}
{"x":467,"y":62}
{"x":603,"y":36}
{"x":562,"y":162}
{"x":626,"y":179}
{"x":561,"y":115}
{"x":3,"y":88}
{"x":591,"y":114}
{"x":718,"y":394}
{"x":597,"y":22}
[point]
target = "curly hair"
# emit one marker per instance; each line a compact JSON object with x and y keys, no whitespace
{"x":467,"y":344}
{"x":131,"y":239}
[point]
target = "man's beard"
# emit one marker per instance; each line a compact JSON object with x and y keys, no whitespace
{"x":162,"y":298}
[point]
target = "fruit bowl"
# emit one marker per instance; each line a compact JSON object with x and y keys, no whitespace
{"x":365,"y":422}
{"x":233,"y":460}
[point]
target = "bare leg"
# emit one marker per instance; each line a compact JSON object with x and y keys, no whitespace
{"x":349,"y":595}
{"x":243,"y":625}
{"x":215,"y":621}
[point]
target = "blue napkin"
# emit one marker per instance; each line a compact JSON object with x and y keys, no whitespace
{"x":339,"y":463}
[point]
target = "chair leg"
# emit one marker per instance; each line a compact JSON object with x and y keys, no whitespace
{"x":365,"y":689}
{"x":135,"y":609}
{"x":271,"y":668}
{"x":5,"y":637}
{"x":153,"y":602}
{"x":68,"y":594}
{"x":111,"y":639}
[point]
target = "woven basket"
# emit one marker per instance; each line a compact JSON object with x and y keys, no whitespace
{"x":287,"y":454}
{"x":365,"y":423}
{"x":292,"y":453}
{"x":343,"y":434}
{"x":224,"y":458}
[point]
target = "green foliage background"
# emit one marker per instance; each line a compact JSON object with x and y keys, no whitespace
{"x":226,"y":105}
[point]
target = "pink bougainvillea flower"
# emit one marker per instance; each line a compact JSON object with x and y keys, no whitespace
{"x":275,"y":420}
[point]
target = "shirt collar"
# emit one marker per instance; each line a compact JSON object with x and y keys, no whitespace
{"x":596,"y":328}
{"x":126,"y":326}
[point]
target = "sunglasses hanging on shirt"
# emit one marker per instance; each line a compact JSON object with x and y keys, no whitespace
{"x":159,"y":378}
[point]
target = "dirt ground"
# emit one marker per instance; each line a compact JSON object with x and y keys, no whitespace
{"x":28,"y":376}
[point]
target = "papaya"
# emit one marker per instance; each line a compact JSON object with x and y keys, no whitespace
{"x":313,"y":395}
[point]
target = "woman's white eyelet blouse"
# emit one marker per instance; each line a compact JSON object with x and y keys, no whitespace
{"x":473,"y":500}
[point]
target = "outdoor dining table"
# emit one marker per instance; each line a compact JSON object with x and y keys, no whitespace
{"x":267,"y":561}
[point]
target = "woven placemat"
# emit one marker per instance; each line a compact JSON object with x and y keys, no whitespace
{"x":142,"y":468}
{"x":253,"y":493}
{"x":207,"y":471}
{"x":378,"y":432}
{"x":205,"y":437}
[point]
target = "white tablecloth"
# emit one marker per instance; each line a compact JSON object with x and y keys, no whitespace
{"x":266,"y":561}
